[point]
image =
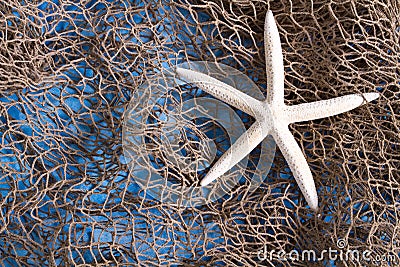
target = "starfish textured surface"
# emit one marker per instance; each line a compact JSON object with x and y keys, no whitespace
{"x":272,"y":115}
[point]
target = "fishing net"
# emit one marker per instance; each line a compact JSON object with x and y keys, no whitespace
{"x":70,"y":196}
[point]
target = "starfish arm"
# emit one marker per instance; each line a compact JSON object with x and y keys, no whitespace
{"x":242,"y":147}
{"x":274,"y":62}
{"x":326,"y":108}
{"x":220,"y":90}
{"x":297,"y":163}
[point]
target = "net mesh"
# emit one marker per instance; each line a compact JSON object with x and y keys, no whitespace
{"x":68,"y":70}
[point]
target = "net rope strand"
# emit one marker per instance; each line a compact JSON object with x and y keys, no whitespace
{"x":68,"y":71}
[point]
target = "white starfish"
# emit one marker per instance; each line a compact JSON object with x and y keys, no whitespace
{"x":272,"y":115}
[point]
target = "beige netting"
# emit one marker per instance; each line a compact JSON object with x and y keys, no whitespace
{"x":68,"y":70}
